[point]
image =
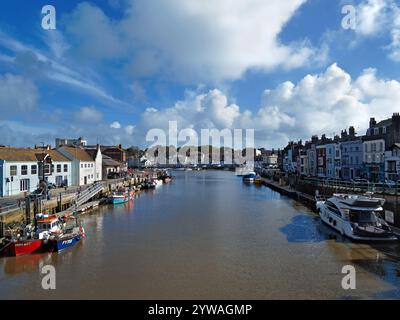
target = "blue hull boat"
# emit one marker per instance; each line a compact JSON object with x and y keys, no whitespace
{"x":66,"y":241}
{"x":119,"y":200}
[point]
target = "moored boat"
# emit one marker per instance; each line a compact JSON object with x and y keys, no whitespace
{"x":157,"y":182}
{"x":356,"y":216}
{"x":21,"y":247}
{"x":250,"y":177}
{"x":119,"y":198}
{"x":258,"y":180}
{"x":67,"y":239}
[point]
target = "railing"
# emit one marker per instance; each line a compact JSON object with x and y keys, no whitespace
{"x":353,"y":186}
{"x":87,"y":194}
{"x":15,"y":206}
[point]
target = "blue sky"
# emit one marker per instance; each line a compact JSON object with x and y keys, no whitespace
{"x":114,"y":69}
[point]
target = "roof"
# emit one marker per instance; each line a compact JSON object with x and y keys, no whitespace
{"x":78,"y":153}
{"x":386,"y":122}
{"x":109,"y":162}
{"x":31,"y":155}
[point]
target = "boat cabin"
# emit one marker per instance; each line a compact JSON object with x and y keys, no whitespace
{"x":48,"y":224}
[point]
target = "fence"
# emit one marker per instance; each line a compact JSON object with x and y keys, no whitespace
{"x":352,"y":186}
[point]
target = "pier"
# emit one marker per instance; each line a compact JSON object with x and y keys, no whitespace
{"x":76,"y":199}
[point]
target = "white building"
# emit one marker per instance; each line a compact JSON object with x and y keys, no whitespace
{"x":373,"y":158}
{"x":86,"y":169}
{"x":270,"y":159}
{"x":21,"y":169}
{"x":373,"y":151}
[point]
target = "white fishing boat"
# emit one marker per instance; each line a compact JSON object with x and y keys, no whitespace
{"x":358,"y":217}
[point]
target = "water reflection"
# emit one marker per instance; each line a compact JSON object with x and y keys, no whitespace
{"x":309,"y":228}
{"x":206,"y":236}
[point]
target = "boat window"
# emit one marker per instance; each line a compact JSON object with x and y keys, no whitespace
{"x":363,"y":216}
{"x":332,"y":207}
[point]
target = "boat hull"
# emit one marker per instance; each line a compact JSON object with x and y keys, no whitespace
{"x":119,"y":200}
{"x":19,"y":248}
{"x":65,"y":243}
{"x":345,"y":229}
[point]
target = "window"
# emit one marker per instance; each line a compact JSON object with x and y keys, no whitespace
{"x":47,"y":169}
{"x":13,"y":170}
{"x":381,"y":146}
{"x":85,"y":165}
{"x":81,"y":165}
{"x":65,"y":168}
{"x":332,"y":207}
{"x":59,"y":180}
{"x":52,"y":168}
{"x":24,"y":170}
{"x":59,"y":168}
{"x":24,"y":185}
{"x":34,"y":169}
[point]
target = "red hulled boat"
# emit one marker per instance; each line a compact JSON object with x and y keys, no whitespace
{"x":20,"y":247}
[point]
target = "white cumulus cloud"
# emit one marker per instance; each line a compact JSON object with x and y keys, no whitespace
{"x":319,"y":103}
{"x":115,"y":125}
{"x":193,"y":41}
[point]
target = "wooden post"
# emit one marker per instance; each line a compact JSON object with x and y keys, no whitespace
{"x":1,"y":228}
{"x":59,"y":203}
{"x":27,"y":210}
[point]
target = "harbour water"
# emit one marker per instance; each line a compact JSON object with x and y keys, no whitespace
{"x":207,"y":235}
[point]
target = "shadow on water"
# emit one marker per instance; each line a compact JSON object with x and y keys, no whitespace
{"x":307,"y":228}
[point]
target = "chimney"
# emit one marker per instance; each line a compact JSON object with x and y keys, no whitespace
{"x":314,"y":139}
{"x":395,"y":131}
{"x":352,"y":132}
{"x":372,"y":122}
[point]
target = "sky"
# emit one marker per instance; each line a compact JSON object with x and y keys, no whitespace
{"x":112,"y":70}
